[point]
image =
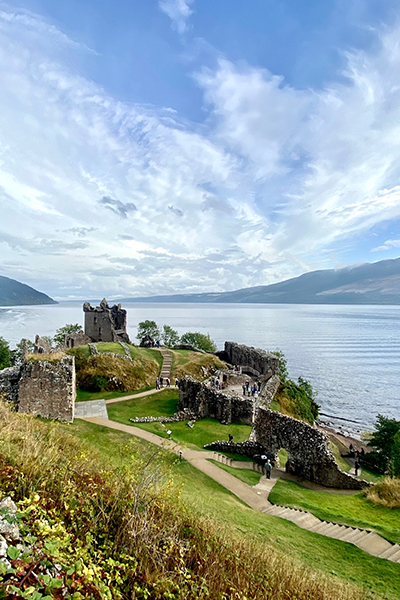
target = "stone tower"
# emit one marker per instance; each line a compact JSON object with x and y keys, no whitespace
{"x":105,"y":324}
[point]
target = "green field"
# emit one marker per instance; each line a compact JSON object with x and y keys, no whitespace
{"x":354,"y":509}
{"x":163,"y":403}
{"x":246,"y":475}
{"x":207,"y":498}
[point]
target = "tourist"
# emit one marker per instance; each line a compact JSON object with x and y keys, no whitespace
{"x":168,"y":382}
{"x":356,"y":467}
{"x":230,"y":438}
{"x":161,"y":381}
{"x":176,"y":382}
{"x":157,"y":384}
{"x":244,"y":389}
{"x":268,"y":468}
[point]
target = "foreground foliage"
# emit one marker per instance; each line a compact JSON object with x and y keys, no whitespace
{"x":95,"y":531}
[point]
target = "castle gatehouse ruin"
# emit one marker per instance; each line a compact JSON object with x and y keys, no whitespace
{"x":309,"y":456}
{"x":104,"y":323}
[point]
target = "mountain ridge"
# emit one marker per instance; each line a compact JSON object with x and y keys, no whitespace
{"x":369,"y":283}
{"x":15,"y":293}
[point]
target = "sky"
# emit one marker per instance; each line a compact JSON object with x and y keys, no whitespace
{"x":174,"y":146}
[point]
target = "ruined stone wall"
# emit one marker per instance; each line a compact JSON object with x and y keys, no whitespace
{"x":308,"y":448}
{"x":263,"y":362}
{"x":204,"y":401}
{"x":48,"y":389}
{"x":105,"y":324}
{"x":9,"y":379}
{"x":42,"y":388}
{"x":73,"y":340}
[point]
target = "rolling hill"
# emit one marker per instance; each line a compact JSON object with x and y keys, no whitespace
{"x":14,"y":293}
{"x":370,"y":283}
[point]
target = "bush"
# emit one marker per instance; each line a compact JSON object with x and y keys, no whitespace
{"x":5,"y":354}
{"x":385,"y":493}
{"x":68,"y":329}
{"x":199,"y":340}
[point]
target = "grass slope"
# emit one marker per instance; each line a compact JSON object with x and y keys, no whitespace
{"x":207,"y":498}
{"x":354,"y":510}
{"x":246,"y":475}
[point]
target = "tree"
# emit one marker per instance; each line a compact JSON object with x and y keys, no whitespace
{"x":170,"y":337}
{"x":148,"y":328}
{"x":5,"y":354}
{"x":386,"y":442}
{"x":199,"y":340}
{"x":68,"y":329}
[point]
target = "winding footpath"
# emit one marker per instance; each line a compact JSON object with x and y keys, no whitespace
{"x":257,"y":497}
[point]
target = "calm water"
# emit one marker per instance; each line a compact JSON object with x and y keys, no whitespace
{"x":349,"y":353}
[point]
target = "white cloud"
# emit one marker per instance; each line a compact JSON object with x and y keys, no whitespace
{"x":387,"y":245}
{"x":129,"y":199}
{"x":178,"y":11}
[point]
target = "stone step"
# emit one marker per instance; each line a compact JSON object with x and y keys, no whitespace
{"x":355,"y":536}
{"x":279,"y":511}
{"x":390,"y":552}
{"x":345,"y":533}
{"x":329,"y":529}
{"x":395,"y":557}
{"x":318,"y":527}
{"x":373,"y":544}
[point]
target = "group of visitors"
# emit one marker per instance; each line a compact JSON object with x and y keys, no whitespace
{"x":249,"y":390}
{"x":160,"y":382}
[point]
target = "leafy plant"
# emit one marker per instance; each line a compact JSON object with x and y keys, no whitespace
{"x":170,"y":337}
{"x":149,"y":328}
{"x":5,"y":354}
{"x":199,"y":340}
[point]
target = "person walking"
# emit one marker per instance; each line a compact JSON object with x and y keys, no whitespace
{"x":268,"y":469}
{"x":176,"y":382}
{"x":356,"y":467}
{"x":157,"y":384}
{"x":168,"y":382}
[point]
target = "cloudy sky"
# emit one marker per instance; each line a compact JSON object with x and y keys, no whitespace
{"x":165,"y":146}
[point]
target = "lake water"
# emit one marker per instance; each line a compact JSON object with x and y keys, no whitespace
{"x":349,"y":353}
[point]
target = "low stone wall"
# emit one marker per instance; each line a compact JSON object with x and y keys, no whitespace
{"x":268,"y":391}
{"x":204,"y":401}
{"x":258,"y":360}
{"x":182,"y":415}
{"x":42,"y":388}
{"x":74,"y":340}
{"x":309,"y":454}
{"x":247,"y":448}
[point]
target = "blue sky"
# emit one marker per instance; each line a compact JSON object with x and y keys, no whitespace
{"x":166,"y":146}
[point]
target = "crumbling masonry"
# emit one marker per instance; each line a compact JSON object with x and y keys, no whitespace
{"x":42,"y":388}
{"x":105,"y":324}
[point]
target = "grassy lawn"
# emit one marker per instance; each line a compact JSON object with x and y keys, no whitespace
{"x":156,"y":405}
{"x":83,"y":395}
{"x":246,"y":475}
{"x":354,"y":510}
{"x":208,"y":499}
{"x":203,"y":432}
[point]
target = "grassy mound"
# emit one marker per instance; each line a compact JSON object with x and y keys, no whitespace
{"x":293,"y":401}
{"x":196,"y":364}
{"x":386,"y":493}
{"x":92,"y":530}
{"x":113,"y":374}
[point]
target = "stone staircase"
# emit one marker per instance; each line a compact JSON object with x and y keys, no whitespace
{"x":167,"y":363}
{"x":366,"y":540}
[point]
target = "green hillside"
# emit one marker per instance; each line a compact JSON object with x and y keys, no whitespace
{"x":14,"y":293}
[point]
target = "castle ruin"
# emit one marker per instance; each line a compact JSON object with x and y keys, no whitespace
{"x":104,"y":323}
